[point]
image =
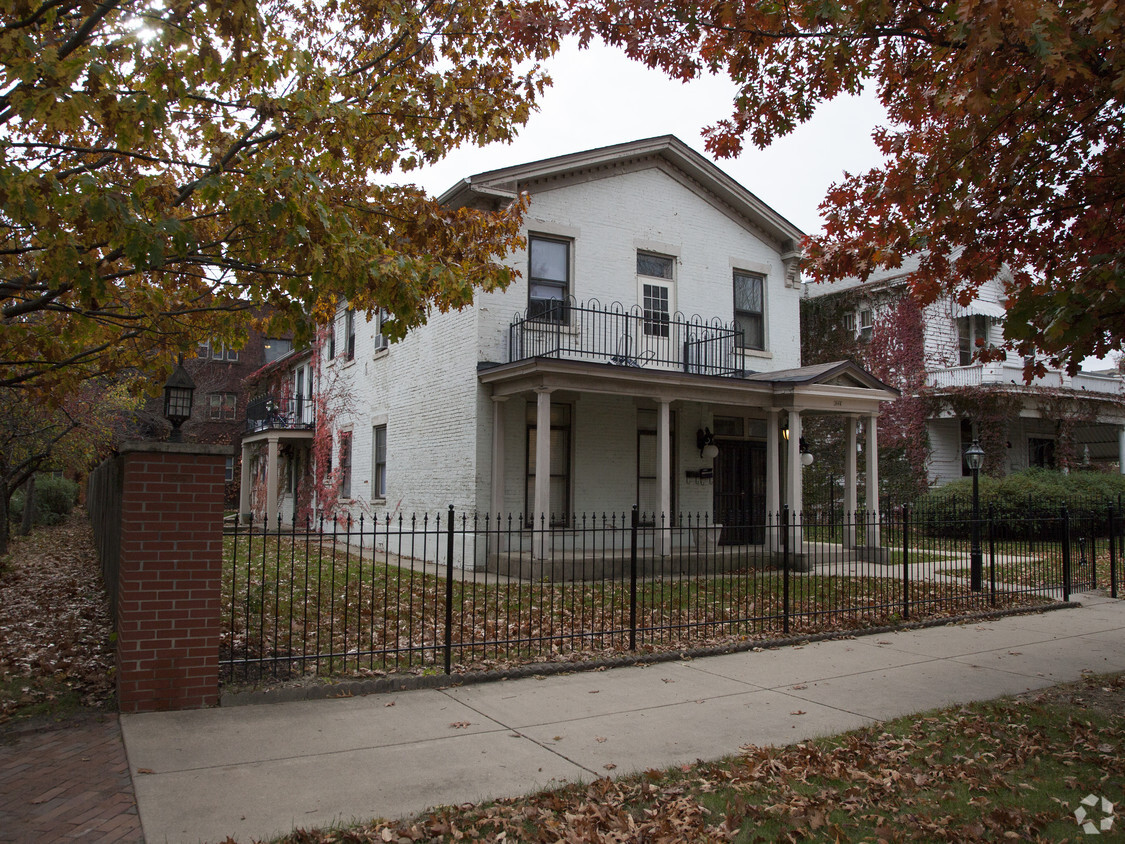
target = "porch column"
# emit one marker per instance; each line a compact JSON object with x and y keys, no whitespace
{"x":664,"y":471}
{"x":271,"y":482}
{"x":850,"y":471}
{"x":541,"y":513}
{"x":244,"y":483}
{"x":1121,"y":449}
{"x":794,"y":469}
{"x":497,"y":499}
{"x":873,"y":539}
{"x":773,"y":480}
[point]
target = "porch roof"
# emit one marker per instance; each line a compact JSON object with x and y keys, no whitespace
{"x":838,"y":387}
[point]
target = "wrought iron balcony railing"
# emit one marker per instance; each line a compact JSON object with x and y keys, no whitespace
{"x":271,"y":413}
{"x":623,"y":336}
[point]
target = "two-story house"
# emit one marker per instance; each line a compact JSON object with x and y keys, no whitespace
{"x":648,"y":354}
{"x":1055,"y":421}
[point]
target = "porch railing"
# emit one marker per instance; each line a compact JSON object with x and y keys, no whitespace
{"x":458,"y":593}
{"x":630,"y":337}
{"x":273,"y":412}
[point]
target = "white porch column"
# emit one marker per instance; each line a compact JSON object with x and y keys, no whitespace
{"x":850,"y":484}
{"x":1121,"y":449}
{"x":244,"y":483}
{"x":496,"y":502}
{"x":874,"y":538}
{"x":541,"y":513}
{"x":271,"y":482}
{"x":664,"y":471}
{"x":793,"y":464}
{"x":773,"y":480}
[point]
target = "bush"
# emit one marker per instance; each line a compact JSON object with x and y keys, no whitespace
{"x":1031,"y":501}
{"x":54,"y":499}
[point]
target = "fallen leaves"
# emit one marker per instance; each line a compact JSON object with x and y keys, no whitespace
{"x":54,"y":619}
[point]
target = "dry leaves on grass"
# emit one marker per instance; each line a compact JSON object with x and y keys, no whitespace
{"x":54,"y":617}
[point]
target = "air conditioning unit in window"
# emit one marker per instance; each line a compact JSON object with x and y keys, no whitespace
{"x":380,"y":342}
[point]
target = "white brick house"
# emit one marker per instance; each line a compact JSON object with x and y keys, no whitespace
{"x":1034,"y":431}
{"x":657,"y":307}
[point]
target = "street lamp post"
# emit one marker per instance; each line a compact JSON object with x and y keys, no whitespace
{"x":974,"y":456}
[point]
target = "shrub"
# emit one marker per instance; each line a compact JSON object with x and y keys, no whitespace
{"x":1031,"y":500}
{"x":54,"y":499}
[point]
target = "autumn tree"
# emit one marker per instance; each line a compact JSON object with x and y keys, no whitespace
{"x":1005,"y":146}
{"x":74,"y":435}
{"x":166,"y":166}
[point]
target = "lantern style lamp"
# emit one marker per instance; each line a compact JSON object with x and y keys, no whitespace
{"x":974,"y":457}
{"x":178,"y":392}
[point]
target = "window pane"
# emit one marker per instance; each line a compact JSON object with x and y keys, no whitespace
{"x":753,"y":333}
{"x":747,"y":293}
{"x":549,"y":259}
{"x":659,"y":266}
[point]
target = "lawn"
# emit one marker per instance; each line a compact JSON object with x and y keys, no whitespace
{"x":1012,"y":769}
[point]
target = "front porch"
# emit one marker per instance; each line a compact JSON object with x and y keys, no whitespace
{"x":673,"y":442}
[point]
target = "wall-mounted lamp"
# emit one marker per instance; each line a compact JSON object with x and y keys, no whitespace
{"x":806,"y":455}
{"x":785,"y":432}
{"x":178,"y":391}
{"x":705,"y":442}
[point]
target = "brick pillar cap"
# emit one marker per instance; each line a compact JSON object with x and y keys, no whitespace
{"x":149,"y":447}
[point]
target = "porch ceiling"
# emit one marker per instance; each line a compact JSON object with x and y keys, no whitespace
{"x":839,"y":388}
{"x":280,"y":434}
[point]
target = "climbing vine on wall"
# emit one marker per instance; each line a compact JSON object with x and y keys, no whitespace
{"x":990,"y":408}
{"x":1068,"y":412}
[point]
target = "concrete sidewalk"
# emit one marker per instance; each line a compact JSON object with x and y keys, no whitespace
{"x":257,"y":771}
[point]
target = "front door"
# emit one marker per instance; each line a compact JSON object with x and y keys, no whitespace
{"x":740,"y":492}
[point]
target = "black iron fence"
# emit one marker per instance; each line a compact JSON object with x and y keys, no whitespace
{"x":456,"y":593}
{"x":627,"y":337}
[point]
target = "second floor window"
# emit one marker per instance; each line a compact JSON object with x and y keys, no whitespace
{"x":349,"y":333}
{"x":972,"y":333}
{"x":549,"y":277}
{"x":749,"y":313}
{"x":222,"y":405}
{"x":655,"y":297}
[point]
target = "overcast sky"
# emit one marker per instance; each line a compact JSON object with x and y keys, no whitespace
{"x":599,"y":98}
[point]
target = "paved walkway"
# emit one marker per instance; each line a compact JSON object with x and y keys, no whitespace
{"x":252,"y":772}
{"x":69,"y":783}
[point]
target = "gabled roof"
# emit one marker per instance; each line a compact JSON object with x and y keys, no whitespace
{"x":839,"y":373}
{"x":667,"y":150}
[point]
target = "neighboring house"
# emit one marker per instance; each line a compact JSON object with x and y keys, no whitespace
{"x":1056,"y":421}
{"x":219,"y":406}
{"x":657,"y":310}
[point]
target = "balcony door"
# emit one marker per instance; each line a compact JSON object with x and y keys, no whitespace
{"x":740,"y":492}
{"x":657,"y":296}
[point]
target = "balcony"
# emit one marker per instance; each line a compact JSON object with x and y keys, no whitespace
{"x":627,"y":337}
{"x":266,"y":413}
{"x":998,"y":374}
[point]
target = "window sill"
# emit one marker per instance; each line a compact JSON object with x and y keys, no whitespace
{"x":381,"y":353}
{"x":756,"y":353}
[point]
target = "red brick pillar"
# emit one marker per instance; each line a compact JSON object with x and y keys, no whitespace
{"x":168,"y":588}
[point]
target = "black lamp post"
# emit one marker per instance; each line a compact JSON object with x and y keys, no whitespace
{"x":178,"y":391}
{"x":974,"y":456}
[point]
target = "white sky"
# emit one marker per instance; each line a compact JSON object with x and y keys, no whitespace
{"x":599,"y":97}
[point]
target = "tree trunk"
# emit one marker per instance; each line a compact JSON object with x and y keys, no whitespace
{"x":28,"y":506}
{"x":4,"y":496}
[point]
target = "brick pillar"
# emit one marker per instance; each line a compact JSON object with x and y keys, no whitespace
{"x":168,"y":588}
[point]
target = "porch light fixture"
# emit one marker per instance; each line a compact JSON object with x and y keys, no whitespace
{"x":974,"y":458}
{"x":178,"y":392}
{"x":705,"y":442}
{"x":806,"y":455}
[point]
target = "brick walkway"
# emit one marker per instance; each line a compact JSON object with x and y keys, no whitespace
{"x":67,"y":784}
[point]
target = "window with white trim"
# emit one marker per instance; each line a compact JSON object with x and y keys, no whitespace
{"x":548,"y":278}
{"x":749,"y":308}
{"x":379,"y":462}
{"x":656,"y":295}
{"x":222,"y":406}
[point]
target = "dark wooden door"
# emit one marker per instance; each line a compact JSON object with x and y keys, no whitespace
{"x":740,"y":491}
